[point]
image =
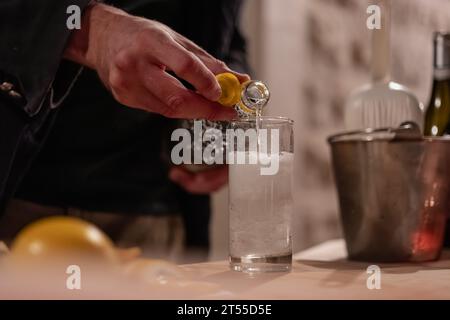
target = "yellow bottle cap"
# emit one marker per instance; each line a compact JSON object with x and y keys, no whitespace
{"x":231,"y":89}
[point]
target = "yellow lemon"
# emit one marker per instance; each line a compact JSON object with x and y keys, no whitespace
{"x":231,"y":89}
{"x":62,"y":239}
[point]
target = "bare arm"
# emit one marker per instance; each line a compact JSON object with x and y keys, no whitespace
{"x":132,"y":56}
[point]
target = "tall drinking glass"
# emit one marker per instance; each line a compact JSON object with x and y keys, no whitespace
{"x":260,"y":196}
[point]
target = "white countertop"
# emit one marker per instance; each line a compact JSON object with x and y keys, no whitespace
{"x":322,"y":272}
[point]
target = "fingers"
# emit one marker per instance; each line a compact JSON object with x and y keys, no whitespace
{"x":138,"y":77}
{"x":181,"y":102}
{"x":150,"y":88}
{"x":216,"y":66}
{"x":189,"y":67}
{"x":202,"y":182}
{"x":133,"y":94}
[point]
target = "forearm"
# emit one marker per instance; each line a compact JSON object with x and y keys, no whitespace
{"x":95,"y":24}
{"x":131,"y":55}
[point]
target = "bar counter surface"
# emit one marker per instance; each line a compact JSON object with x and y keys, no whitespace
{"x":323,"y":272}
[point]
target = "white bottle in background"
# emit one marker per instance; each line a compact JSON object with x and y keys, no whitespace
{"x":382,"y":103}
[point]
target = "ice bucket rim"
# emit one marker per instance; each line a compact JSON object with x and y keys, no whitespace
{"x":384,"y":135}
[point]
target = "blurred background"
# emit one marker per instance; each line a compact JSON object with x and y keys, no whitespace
{"x":313,"y":54}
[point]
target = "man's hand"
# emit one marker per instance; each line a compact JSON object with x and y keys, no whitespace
{"x":203,"y":182}
{"x":132,"y":56}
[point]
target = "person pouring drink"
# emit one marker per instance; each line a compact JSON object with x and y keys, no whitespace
{"x":92,"y":143}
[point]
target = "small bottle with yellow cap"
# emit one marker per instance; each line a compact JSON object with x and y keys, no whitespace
{"x":248,"y":98}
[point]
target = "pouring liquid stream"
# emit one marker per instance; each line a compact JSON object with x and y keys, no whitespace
{"x":258,"y":114}
{"x":248,"y":99}
{"x":255,"y":97}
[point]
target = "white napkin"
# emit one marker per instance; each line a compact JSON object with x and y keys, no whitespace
{"x":328,"y":251}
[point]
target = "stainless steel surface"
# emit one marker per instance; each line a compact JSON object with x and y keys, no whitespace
{"x":394,"y":192}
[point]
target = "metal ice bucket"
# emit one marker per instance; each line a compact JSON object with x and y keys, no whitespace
{"x":394,"y":189}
